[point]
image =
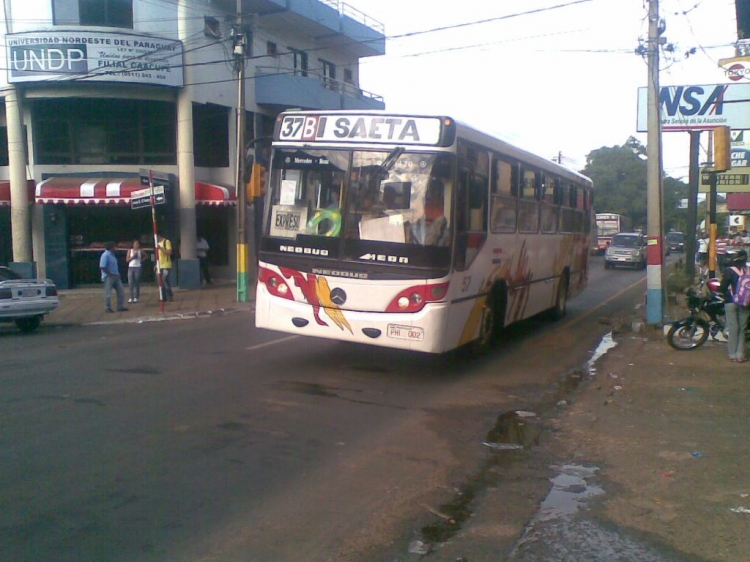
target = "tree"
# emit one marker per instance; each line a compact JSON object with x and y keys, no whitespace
{"x":620,"y":185}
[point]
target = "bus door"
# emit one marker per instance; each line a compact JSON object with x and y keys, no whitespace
{"x":471,"y":207}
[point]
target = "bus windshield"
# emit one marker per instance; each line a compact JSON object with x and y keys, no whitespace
{"x":383,"y":196}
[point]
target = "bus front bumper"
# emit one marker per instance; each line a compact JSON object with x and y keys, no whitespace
{"x":420,"y":331}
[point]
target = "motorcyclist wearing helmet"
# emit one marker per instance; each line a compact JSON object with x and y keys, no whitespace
{"x":737,"y":316}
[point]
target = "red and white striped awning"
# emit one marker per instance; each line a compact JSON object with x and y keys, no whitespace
{"x":87,"y":191}
{"x":117,"y":191}
{"x":5,"y":191}
{"x":213,"y":194}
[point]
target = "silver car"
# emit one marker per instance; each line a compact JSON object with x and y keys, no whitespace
{"x":25,"y":301}
{"x":627,"y":248}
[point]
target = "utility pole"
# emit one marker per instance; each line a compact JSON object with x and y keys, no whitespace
{"x":240,"y":45}
{"x":692,"y":211}
{"x":655,"y":253}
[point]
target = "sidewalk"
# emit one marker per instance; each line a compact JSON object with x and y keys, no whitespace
{"x":669,"y":430}
{"x":86,"y":305}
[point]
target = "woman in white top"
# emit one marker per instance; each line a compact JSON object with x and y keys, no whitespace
{"x":135,"y":259}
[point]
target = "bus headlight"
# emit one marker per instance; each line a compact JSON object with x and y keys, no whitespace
{"x":275,"y":283}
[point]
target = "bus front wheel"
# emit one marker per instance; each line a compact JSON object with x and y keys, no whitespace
{"x":492,"y":319}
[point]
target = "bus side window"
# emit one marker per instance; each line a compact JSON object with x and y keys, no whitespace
{"x":528,"y":205}
{"x":550,"y":210}
{"x":504,"y":189}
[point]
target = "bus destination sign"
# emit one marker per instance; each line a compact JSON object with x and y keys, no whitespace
{"x":390,"y":129}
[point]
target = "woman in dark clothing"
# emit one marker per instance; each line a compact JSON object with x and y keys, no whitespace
{"x":736,"y":315}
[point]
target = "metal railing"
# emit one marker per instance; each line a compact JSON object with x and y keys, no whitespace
{"x":344,"y":88}
{"x":345,"y":9}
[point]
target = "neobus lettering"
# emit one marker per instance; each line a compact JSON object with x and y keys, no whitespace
{"x":301,"y":250}
{"x":336,"y":273}
{"x":397,"y":129}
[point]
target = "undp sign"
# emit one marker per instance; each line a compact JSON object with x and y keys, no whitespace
{"x":699,"y":108}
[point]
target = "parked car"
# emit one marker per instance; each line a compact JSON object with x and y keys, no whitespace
{"x":675,"y":242}
{"x":627,"y":248}
{"x":25,"y":301}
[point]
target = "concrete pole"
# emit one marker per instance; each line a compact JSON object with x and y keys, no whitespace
{"x":654,"y":275}
{"x":20,"y":214}
{"x":243,"y":290}
{"x":189,"y":272}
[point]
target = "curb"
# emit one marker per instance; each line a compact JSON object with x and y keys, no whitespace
{"x":168,"y":317}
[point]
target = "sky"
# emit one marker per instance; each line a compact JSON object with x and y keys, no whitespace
{"x":556,"y":77}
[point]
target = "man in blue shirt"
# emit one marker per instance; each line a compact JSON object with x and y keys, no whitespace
{"x":111,"y":278}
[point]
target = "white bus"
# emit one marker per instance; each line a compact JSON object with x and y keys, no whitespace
{"x":414,"y":232}
{"x":607,"y":225}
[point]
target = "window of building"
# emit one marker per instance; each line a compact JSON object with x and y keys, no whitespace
{"x":211,"y":135}
{"x":4,"y":156}
{"x":104,"y":131}
{"x":271,"y":49}
{"x":105,"y":13}
{"x":348,"y":76}
{"x":299,"y":60}
{"x":329,"y":74}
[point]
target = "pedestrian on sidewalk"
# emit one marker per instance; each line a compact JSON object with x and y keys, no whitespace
{"x":202,"y":249}
{"x":111,"y":278}
{"x":165,"y":265}
{"x":736,"y":314}
{"x":135,"y":259}
{"x":702,"y":255}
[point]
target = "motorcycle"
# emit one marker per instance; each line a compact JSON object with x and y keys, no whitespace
{"x":707,"y":318}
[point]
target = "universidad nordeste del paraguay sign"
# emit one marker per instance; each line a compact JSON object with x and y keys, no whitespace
{"x":698,"y":108}
{"x":41,"y":56}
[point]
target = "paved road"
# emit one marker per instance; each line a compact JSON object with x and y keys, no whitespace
{"x":208,"y":440}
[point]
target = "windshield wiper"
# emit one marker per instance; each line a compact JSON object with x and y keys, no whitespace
{"x":390,"y":160}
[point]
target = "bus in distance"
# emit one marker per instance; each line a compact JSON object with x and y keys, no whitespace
{"x":414,"y":232}
{"x":607,"y":225}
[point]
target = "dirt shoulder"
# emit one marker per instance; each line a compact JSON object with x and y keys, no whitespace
{"x":669,"y":430}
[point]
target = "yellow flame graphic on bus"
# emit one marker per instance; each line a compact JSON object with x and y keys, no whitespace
{"x":323,"y":290}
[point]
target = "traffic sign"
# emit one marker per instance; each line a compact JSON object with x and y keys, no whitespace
{"x":156,"y":177}
{"x":142,"y":197}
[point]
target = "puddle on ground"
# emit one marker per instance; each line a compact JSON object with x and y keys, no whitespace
{"x":513,"y":431}
{"x":604,"y":346}
{"x":570,"y":490}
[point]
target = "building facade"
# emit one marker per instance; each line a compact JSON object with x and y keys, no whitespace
{"x":99,"y":94}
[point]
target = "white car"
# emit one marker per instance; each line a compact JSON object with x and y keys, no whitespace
{"x":25,"y":301}
{"x":627,"y":248}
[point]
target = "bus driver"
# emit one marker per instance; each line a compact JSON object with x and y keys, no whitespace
{"x":431,"y":229}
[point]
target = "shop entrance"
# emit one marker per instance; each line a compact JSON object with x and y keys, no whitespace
{"x":90,"y":227}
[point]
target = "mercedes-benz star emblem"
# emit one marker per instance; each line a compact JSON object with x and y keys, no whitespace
{"x":338,"y":296}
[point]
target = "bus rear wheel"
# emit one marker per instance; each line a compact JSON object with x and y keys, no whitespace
{"x":561,"y":301}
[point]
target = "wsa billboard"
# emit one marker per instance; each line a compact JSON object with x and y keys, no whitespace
{"x":696,"y":108}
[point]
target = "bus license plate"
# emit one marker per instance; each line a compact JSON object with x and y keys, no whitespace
{"x":405,"y":332}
